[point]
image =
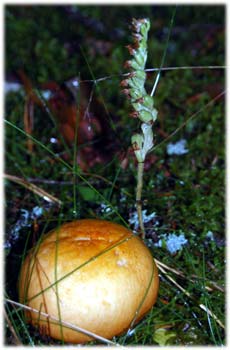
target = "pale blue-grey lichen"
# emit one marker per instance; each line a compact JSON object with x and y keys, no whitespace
{"x":172,"y":242}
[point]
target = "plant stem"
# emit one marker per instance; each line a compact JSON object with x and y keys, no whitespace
{"x":140,"y":172}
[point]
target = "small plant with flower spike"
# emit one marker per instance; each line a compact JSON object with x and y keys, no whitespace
{"x":142,"y":103}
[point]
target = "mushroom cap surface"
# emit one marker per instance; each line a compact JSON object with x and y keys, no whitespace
{"x":91,"y":273}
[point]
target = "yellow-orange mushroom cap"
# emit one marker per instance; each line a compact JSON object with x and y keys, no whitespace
{"x":94,"y":274}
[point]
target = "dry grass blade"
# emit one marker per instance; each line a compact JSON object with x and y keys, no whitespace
{"x":28,"y":122}
{"x":35,"y":189}
{"x":159,"y":263}
{"x":15,"y":337}
{"x":209,"y":312}
{"x":66,"y":324}
{"x":181,"y":274}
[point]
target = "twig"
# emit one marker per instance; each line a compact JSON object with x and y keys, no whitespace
{"x":97,"y":176}
{"x":149,"y":70}
{"x":189,"y":119}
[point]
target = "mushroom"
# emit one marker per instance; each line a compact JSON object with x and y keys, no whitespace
{"x":94,"y":274}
